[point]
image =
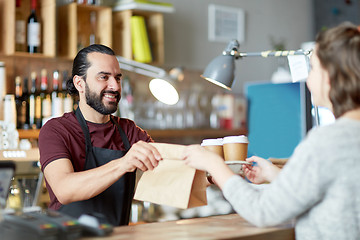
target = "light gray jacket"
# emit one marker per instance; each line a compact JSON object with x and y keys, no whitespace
{"x":319,"y":186}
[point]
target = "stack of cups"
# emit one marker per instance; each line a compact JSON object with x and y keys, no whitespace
{"x":231,"y":148}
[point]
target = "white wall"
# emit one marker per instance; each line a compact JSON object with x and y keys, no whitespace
{"x":186,"y":34}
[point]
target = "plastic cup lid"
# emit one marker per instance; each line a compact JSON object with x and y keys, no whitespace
{"x":235,"y":139}
{"x":212,"y":142}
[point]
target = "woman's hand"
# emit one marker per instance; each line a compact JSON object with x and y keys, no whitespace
{"x":264,"y":171}
{"x":202,"y":159}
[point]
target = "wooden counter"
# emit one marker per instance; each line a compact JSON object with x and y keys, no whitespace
{"x":218,"y":227}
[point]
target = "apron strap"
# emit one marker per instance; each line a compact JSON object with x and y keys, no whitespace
{"x":122,"y":134}
{"x":84,"y":127}
{"x":86,"y":132}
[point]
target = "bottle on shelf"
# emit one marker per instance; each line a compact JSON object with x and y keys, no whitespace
{"x":92,"y":39}
{"x":56,"y":97}
{"x":38,"y":118}
{"x":68,"y":101}
{"x":33,"y":30}
{"x":45,"y":99}
{"x":25,"y":103}
{"x":20,"y":29}
{"x":20,"y":107}
{"x":33,"y":105}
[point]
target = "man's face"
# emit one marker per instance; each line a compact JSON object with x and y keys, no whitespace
{"x":103,"y":83}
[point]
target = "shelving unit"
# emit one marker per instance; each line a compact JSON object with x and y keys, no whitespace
{"x":122,"y":43}
{"x":22,"y":64}
{"x":47,"y":14}
{"x":74,"y":27}
{"x":150,"y":7}
{"x":73,"y":22}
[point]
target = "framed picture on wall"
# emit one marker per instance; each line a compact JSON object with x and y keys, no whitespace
{"x":226,"y":23}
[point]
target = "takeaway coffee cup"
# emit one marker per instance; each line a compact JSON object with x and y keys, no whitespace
{"x":214,"y":145}
{"x":235,"y":148}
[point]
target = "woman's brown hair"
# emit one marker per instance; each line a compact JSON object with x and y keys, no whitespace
{"x":338,"y":50}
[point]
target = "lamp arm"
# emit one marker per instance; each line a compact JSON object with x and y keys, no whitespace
{"x":141,"y":68}
{"x":270,"y":53}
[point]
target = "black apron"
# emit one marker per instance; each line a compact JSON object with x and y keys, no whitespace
{"x":115,"y":202}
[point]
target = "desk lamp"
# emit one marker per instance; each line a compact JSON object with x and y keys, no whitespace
{"x":161,"y":86}
{"x":220,"y":70}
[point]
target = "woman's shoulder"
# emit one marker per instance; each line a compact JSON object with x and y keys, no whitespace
{"x":341,"y":127}
{"x":333,"y":138}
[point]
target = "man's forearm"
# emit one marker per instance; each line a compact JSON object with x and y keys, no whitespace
{"x":69,"y":186}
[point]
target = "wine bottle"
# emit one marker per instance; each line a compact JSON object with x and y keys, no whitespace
{"x":25,"y":103}
{"x":32,"y":97}
{"x":68,"y":101}
{"x":20,"y":29}
{"x":92,"y":39}
{"x":56,"y":96}
{"x":20,"y":107}
{"x":33,"y":30}
{"x":45,"y":99}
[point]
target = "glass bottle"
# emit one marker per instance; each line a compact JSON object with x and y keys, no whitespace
{"x":20,"y":29}
{"x":92,"y":39}
{"x":45,"y":98}
{"x":56,"y":97}
{"x":68,"y":101}
{"x":32,"y":98}
{"x":20,"y":107}
{"x":33,"y":30}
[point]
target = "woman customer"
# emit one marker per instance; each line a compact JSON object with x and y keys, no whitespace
{"x":319,"y":185}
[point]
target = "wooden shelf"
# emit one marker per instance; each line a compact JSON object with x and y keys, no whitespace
{"x":74,"y":27}
{"x":29,"y":134}
{"x":46,"y":14}
{"x":145,"y":7}
{"x":22,"y":64}
{"x":122,"y":43}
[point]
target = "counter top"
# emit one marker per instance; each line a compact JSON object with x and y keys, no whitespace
{"x":230,"y":226}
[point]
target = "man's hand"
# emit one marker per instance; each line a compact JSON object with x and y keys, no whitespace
{"x":141,"y":155}
{"x":70,"y":186}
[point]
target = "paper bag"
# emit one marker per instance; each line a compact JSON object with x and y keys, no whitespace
{"x":172,"y":182}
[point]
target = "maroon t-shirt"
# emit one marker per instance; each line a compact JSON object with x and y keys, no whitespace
{"x":63,"y":138}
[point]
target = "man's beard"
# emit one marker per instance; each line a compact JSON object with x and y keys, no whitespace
{"x":95,"y":101}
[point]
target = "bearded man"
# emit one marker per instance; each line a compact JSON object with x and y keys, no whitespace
{"x":89,"y":157}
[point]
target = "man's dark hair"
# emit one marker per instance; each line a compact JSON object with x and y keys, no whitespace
{"x":81,"y":64}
